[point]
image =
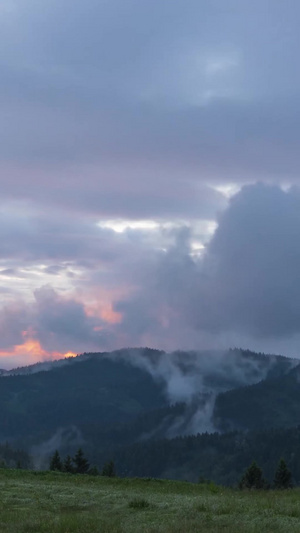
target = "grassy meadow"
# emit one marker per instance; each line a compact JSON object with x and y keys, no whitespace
{"x":48,"y":502}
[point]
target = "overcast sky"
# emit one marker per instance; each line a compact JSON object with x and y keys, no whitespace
{"x":150,"y":160}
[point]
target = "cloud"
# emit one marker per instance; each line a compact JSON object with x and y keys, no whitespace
{"x":50,"y":327}
{"x":132,"y":110}
{"x":62,"y":321}
{"x":252,"y":264}
{"x":243,"y":289}
{"x":125,"y":111}
{"x":14,"y":320}
{"x":148,"y":287}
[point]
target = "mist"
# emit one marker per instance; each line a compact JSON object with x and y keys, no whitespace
{"x":67,"y":440}
{"x":196,"y":378}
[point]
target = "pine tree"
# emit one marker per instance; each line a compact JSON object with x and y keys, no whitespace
{"x":81,"y":463}
{"x":68,"y":465}
{"x":252,"y":478}
{"x":109,"y":469}
{"x":93,"y":471}
{"x":283,"y":476}
{"x":55,"y":462}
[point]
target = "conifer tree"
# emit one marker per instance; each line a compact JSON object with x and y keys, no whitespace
{"x":55,"y":462}
{"x":68,"y":465}
{"x":81,"y":463}
{"x":252,"y":478}
{"x":93,"y":471}
{"x":109,"y":469}
{"x":283,"y":476}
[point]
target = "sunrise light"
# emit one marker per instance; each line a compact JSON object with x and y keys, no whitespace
{"x":31,"y":352}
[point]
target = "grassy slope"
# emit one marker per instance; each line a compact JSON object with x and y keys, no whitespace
{"x":51,"y":502}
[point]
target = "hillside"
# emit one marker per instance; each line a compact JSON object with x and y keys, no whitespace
{"x":109,"y":400}
{"x":221,"y":458}
{"x":56,"y":503}
{"x":269,"y":403}
{"x":95,"y":389}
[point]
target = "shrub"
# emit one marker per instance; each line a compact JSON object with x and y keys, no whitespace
{"x":138,"y":503}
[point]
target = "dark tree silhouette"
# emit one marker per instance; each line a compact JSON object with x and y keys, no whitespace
{"x":283,"y":476}
{"x":55,"y":462}
{"x":81,"y":463}
{"x":109,"y":469}
{"x":93,"y":471}
{"x":252,"y":478}
{"x":68,"y":465}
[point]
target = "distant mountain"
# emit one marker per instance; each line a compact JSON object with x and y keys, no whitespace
{"x":87,"y":390}
{"x":271,"y":403}
{"x":107,"y":400}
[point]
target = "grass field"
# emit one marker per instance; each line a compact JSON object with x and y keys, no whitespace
{"x":44,"y":502}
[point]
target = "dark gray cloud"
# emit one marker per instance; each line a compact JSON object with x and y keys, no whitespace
{"x":58,"y":323}
{"x":63,"y":323}
{"x":14,"y":319}
{"x":252,"y":264}
{"x":132,"y":108}
{"x":29,"y":236}
{"x":243,"y":289}
{"x":139,"y":110}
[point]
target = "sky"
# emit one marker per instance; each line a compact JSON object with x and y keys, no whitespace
{"x":149,"y":176}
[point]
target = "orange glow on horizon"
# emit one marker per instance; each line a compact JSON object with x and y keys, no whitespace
{"x":67,"y":355}
{"x":32,"y":352}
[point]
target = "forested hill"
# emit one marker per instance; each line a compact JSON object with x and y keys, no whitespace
{"x":116,"y":399}
{"x":221,"y":458}
{"x":269,"y":403}
{"x":93,"y":389}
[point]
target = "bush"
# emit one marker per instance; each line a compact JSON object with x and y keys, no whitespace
{"x":138,"y":503}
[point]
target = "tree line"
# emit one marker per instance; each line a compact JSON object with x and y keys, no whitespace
{"x":253,"y":477}
{"x":222,"y":458}
{"x":79,"y":464}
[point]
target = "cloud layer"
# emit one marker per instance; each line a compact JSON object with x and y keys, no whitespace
{"x":133,"y":109}
{"x":126,"y":128}
{"x":150,"y":287}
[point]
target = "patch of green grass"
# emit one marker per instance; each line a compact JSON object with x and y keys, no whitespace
{"x":138,"y":503}
{"x":50,"y":502}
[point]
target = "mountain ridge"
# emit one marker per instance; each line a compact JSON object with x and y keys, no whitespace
{"x":110,"y":399}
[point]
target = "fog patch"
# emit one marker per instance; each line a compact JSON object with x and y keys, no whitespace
{"x":186,"y":375}
{"x":196,"y":378}
{"x":64,"y":439}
